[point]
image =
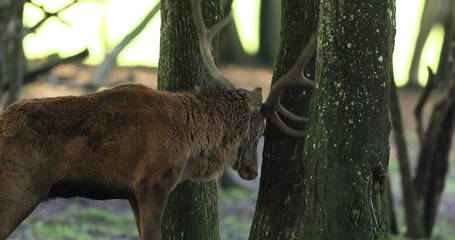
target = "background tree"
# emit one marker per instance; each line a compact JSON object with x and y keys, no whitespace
{"x":422,"y":193}
{"x":347,"y":147}
{"x":11,"y":64}
{"x":280,"y":211}
{"x":230,"y":47}
{"x":269,"y":32}
{"x":192,"y":208}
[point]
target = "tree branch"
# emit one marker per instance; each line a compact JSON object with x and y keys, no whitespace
{"x":431,"y":84}
{"x":99,"y":77}
{"x":31,"y":76}
{"x":48,"y":15}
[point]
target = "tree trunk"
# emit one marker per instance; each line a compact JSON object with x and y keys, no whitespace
{"x":444,"y":66}
{"x":192,"y":208}
{"x":347,"y":149}
{"x":280,"y":207}
{"x":413,"y":215}
{"x":434,"y":160}
{"x":11,"y":52}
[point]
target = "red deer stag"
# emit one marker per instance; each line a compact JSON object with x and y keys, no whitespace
{"x":132,"y":142}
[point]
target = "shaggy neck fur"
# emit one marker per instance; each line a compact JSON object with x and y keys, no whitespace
{"x":219,"y":113}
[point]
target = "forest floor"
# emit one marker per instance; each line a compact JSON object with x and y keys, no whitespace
{"x":87,"y":219}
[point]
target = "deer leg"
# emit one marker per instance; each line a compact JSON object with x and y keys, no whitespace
{"x":136,"y":213}
{"x":151,"y":200}
{"x":24,"y":183}
{"x":17,"y":202}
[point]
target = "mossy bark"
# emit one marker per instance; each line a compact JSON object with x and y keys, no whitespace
{"x":280,"y":209}
{"x":11,"y":53}
{"x":347,"y":144}
{"x":192,"y":209}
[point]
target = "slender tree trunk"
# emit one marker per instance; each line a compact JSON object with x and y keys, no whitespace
{"x":443,"y":73}
{"x":347,"y":145}
{"x":434,"y":160}
{"x":11,"y":53}
{"x":192,"y":209}
{"x":413,"y":214}
{"x":280,"y":207}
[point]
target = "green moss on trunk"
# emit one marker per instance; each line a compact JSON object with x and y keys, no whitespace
{"x":349,"y":126}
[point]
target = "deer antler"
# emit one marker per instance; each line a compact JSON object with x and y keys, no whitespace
{"x":205,"y":39}
{"x":272,"y":105}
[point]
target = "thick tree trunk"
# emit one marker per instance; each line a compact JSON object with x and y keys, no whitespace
{"x":280,"y":207}
{"x":11,"y":53}
{"x":347,"y":145}
{"x":192,"y":209}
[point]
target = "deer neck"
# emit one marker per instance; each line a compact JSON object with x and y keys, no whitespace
{"x":214,"y":133}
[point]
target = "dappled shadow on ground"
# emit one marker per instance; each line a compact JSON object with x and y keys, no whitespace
{"x":86,"y":219}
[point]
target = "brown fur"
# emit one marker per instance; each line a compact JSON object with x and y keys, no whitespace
{"x":129,"y":142}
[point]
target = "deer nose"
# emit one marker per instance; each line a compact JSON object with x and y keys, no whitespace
{"x":248,"y":175}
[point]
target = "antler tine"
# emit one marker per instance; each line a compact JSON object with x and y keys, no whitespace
{"x":295,"y":75}
{"x":291,"y":116}
{"x":275,"y":118}
{"x":205,"y":38}
{"x":272,"y":105}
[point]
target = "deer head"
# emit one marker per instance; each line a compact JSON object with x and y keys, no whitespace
{"x":246,"y":163}
{"x":271,"y":108}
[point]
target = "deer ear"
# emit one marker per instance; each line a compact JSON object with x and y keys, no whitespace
{"x":255,"y":98}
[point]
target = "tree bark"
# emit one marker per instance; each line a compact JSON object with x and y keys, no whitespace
{"x":192,"y":208}
{"x":11,"y":52}
{"x":280,"y":207}
{"x":347,"y":147}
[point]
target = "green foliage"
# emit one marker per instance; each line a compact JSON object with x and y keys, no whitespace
{"x":236,"y":213}
{"x":78,"y":223}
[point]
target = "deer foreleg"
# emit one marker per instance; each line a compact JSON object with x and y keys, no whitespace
{"x":22,"y":187}
{"x":150,"y":204}
{"x":136,"y":213}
